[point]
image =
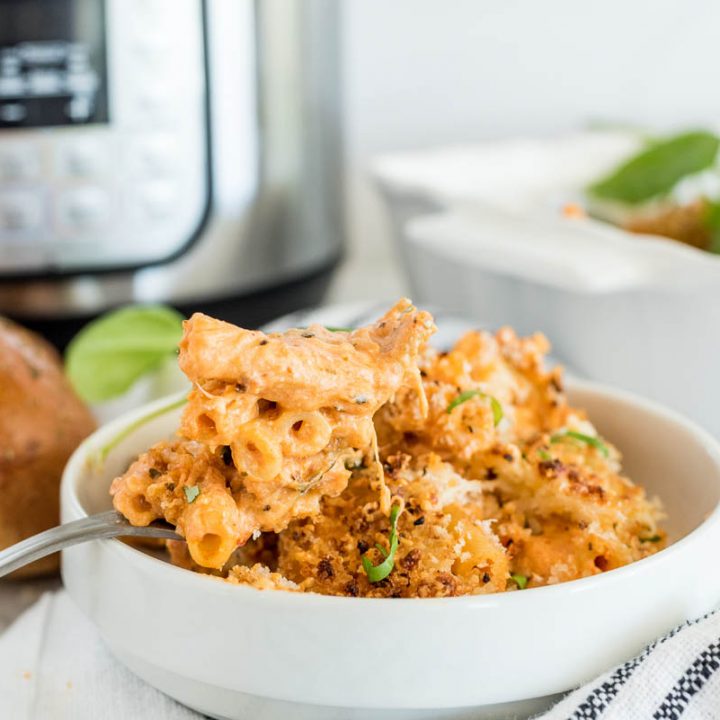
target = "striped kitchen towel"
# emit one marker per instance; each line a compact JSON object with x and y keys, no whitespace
{"x":675,"y":678}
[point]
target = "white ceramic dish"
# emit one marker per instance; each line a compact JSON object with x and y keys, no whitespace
{"x":639,"y":312}
{"x":236,"y":652}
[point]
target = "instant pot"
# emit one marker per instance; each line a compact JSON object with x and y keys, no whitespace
{"x":173,"y":151}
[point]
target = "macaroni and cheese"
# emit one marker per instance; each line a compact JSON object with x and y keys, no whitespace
{"x":368,"y":464}
{"x":273,"y":423}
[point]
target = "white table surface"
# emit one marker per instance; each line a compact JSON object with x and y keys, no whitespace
{"x":18,"y":595}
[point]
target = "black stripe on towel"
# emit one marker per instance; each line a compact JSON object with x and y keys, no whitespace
{"x":598,"y":700}
{"x":692,"y":681}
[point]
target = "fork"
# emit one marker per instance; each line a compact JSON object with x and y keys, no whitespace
{"x":103,"y":525}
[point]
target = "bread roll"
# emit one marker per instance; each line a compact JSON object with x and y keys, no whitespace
{"x":41,"y":422}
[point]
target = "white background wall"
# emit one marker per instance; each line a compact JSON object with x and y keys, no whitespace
{"x":428,"y":72}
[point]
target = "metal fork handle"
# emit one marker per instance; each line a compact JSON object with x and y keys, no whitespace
{"x":103,"y":525}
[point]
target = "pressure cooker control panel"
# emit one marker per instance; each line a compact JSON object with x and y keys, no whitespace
{"x":103,"y":133}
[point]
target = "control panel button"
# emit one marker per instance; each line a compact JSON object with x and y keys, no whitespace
{"x":155,"y":156}
{"x":82,"y":159}
{"x":20,"y":211}
{"x":45,"y":82}
{"x":86,"y":208}
{"x":11,"y":86}
{"x":157,"y":200}
{"x":157,"y":104}
{"x":18,"y":161}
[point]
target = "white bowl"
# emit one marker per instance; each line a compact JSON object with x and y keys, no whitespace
{"x":640,"y":312}
{"x":236,"y":652}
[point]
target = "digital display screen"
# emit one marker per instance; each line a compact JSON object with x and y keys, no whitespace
{"x":53,"y":65}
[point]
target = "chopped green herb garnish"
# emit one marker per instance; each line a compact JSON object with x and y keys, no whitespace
{"x":338,"y":329}
{"x":657,"y":169}
{"x":520,"y":580}
{"x":598,"y":444}
{"x":652,"y":538}
{"x":468,"y":394}
{"x":376,"y":573}
{"x":544,"y":455}
{"x":191,"y":492}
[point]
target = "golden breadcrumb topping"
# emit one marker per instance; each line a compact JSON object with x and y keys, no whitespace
{"x":495,"y":481}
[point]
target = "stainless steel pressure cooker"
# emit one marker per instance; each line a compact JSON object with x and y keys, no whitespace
{"x":179,"y":151}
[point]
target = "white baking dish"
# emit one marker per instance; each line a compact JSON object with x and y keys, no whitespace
{"x":236,"y":652}
{"x":639,"y":312}
{"x":636,"y":311}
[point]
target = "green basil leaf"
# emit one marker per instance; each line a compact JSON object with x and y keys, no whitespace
{"x":111,"y":353}
{"x":497,"y":409}
{"x":520,"y":580}
{"x":657,"y":169}
{"x":376,"y":573}
{"x":598,"y":444}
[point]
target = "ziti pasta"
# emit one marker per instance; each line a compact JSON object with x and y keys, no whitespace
{"x":273,"y":424}
{"x":367,"y":464}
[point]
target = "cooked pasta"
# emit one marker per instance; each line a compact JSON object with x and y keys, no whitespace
{"x":367,"y":464}
{"x":279,"y":418}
